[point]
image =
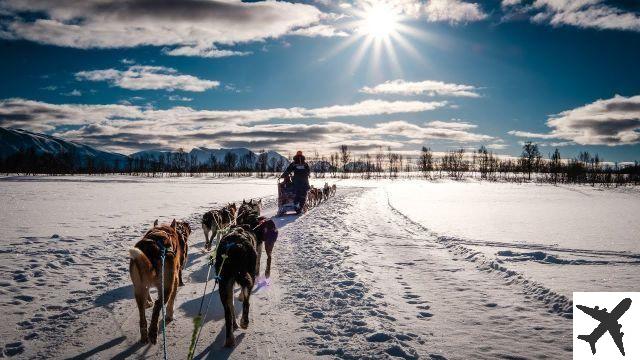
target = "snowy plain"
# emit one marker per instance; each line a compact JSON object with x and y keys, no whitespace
{"x":385,"y":269}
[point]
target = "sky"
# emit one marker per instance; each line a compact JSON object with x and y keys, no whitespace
{"x":131,"y":75}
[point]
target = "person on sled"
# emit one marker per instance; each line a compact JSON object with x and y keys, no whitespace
{"x":301,"y":172}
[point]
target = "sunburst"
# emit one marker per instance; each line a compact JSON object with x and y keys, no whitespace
{"x":378,"y":26}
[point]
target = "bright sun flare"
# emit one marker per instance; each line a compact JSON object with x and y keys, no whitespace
{"x":379,"y":22}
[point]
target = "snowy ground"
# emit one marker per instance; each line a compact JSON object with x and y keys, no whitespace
{"x":385,"y":269}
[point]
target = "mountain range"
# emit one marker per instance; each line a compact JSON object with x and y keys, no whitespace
{"x":15,"y":142}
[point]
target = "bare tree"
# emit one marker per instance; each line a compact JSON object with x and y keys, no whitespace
{"x":530,"y":153}
{"x":426,"y":161}
{"x":345,"y":156}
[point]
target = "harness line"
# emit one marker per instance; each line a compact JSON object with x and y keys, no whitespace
{"x":164,"y":321}
{"x":198,"y":321}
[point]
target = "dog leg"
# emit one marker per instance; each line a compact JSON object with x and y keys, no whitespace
{"x":268,"y":247}
{"x":141,"y":302}
{"x":244,"y":322}
{"x":259,"y":255}
{"x":226,"y":297}
{"x":155,"y":315}
{"x":149,"y":300}
{"x":172,"y":298}
{"x":207,"y":243}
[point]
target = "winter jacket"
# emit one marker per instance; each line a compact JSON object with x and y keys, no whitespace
{"x":301,"y":174}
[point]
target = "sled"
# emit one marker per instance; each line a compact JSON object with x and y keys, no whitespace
{"x":286,"y":197}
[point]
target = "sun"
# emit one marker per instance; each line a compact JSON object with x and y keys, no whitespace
{"x":379,"y":21}
{"x":378,"y":29}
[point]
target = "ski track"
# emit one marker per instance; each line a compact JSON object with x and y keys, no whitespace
{"x":352,"y":278}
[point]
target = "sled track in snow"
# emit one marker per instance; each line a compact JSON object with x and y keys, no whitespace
{"x":367,"y":284}
{"x":557,"y":303}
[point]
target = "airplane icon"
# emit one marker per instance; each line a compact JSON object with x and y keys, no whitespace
{"x":608,"y":322}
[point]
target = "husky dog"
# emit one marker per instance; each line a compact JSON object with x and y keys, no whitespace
{"x":239,"y":247}
{"x":216,"y":220}
{"x":318,"y":195}
{"x":184,"y":231}
{"x":326,"y":191}
{"x":145,"y":269}
{"x":333,"y":190}
{"x":263,"y":229}
{"x":311,"y":198}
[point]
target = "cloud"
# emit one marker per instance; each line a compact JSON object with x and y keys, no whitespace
{"x":179,"y":98}
{"x":203,"y":51}
{"x":186,"y":24}
{"x":128,"y":128}
{"x":453,"y":11}
{"x":74,"y":92}
{"x":139,"y":77}
{"x":455,"y":125}
{"x":320,"y":30}
{"x":595,"y":14}
{"x":426,"y":87}
{"x":610,"y":122}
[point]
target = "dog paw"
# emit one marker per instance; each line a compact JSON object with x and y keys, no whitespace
{"x":144,"y":340}
{"x":235,"y":326}
{"x":230,"y":342}
{"x":153,"y":336}
{"x":148,"y":304}
{"x":168,"y":319}
{"x":267,"y":274}
{"x":244,"y":323}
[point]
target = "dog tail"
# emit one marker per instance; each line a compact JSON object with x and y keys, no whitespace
{"x":140,"y":265}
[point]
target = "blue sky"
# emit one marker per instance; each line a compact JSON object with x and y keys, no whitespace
{"x":134,"y":75}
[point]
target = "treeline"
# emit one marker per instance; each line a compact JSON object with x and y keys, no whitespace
{"x":30,"y":162}
{"x":586,"y":168}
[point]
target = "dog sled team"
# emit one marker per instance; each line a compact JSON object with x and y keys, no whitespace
{"x":157,"y":260}
{"x":294,"y":191}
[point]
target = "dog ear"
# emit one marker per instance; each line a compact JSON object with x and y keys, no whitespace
{"x":155,"y":223}
{"x":244,"y":201}
{"x":173,"y":223}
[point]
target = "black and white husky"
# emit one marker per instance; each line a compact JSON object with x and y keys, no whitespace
{"x":216,"y":220}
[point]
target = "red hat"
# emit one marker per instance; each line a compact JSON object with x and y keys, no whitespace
{"x":299,"y":153}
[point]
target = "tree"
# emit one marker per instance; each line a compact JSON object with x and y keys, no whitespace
{"x":530,"y":153}
{"x":345,"y":156}
{"x":555,"y":165}
{"x":230,"y":161}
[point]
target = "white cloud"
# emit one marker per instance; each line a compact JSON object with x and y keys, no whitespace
{"x":139,"y":77}
{"x":128,"y":128}
{"x":179,"y":98}
{"x":579,"y":13}
{"x":320,"y":30}
{"x":185,"y":24}
{"x":74,"y":92}
{"x":453,"y":11}
{"x":611,"y":122}
{"x":455,"y":125}
{"x":428,"y":87}
{"x":203,"y":51}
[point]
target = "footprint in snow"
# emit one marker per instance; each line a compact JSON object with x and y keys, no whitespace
{"x":424,"y":315}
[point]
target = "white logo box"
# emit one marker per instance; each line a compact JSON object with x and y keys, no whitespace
{"x":583,"y":324}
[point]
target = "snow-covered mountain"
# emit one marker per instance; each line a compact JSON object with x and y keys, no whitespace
{"x":13,"y":141}
{"x":203,"y":156}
